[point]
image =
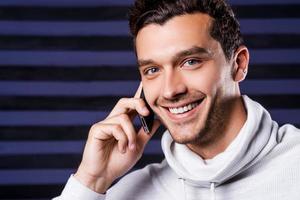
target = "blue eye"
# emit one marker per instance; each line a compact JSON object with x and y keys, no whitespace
{"x":151,"y":70}
{"x":192,"y":62}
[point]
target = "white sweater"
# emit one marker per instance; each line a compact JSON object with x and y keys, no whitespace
{"x":263,"y":162}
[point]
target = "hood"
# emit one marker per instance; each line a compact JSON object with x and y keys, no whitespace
{"x":255,"y":139}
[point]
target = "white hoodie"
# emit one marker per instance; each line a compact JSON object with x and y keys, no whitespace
{"x":262,"y":162}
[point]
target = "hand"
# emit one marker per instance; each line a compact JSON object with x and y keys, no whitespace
{"x":113,"y":146}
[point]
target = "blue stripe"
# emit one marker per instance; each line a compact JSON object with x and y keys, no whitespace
{"x":54,"y":176}
{"x":53,"y":118}
{"x":282,"y":116}
{"x":115,"y":88}
{"x":105,"y":28}
{"x":59,"y":147}
{"x":31,"y":118}
{"x":120,"y":28}
{"x":121,"y":58}
{"x":270,"y":26}
{"x":128,"y":88}
{"x":278,"y":87}
{"x":28,"y":118}
{"x":278,"y":56}
{"x":67,"y":58}
{"x":122,"y":2}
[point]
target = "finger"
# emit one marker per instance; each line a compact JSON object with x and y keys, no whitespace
{"x":105,"y":132}
{"x":128,"y":105}
{"x":138,"y":91}
{"x":129,"y":130}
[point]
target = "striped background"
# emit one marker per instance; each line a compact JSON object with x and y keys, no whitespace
{"x":64,"y":64}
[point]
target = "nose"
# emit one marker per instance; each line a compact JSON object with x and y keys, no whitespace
{"x":173,"y":85}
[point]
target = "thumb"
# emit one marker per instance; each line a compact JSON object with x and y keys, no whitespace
{"x":143,"y":138}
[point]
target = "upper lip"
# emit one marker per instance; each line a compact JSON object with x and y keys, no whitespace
{"x":182,"y":104}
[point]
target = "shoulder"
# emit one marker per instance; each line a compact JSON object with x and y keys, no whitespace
{"x":287,"y":149}
{"x":289,"y":135}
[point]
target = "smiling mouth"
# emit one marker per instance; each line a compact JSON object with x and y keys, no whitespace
{"x":185,"y":108}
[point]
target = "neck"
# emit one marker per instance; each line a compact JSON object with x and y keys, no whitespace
{"x":235,"y":120}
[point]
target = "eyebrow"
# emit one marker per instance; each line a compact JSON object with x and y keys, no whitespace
{"x":181,"y":54}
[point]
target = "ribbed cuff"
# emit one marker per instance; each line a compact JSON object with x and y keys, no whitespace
{"x":75,"y":190}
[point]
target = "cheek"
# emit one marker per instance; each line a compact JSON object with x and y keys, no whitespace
{"x":205,"y":79}
{"x":151,"y":90}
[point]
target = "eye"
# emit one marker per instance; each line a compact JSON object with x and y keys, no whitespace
{"x":150,"y":70}
{"x":191,"y":62}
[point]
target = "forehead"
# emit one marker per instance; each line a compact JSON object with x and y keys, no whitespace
{"x":177,"y":34}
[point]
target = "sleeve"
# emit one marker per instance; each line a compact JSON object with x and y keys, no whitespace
{"x":74,"y":190}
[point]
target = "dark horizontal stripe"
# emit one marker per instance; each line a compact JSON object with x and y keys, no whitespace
{"x":41,"y":133}
{"x":123,"y":58}
{"x":103,"y":103}
{"x":51,"y":133}
{"x":267,"y":11}
{"x":263,"y":2}
{"x":63,"y":13}
{"x":128,"y":88}
{"x":120,"y":12}
{"x":33,"y":192}
{"x":53,"y":161}
{"x":123,"y":43}
{"x":61,"y":133}
{"x":268,"y":41}
{"x":89,"y":43}
{"x":106,"y":103}
{"x":104,"y":73}
{"x":278,"y":101}
{"x":109,"y":73}
{"x":120,"y":28}
{"x":58,"y":3}
{"x":80,"y":3}
{"x":273,"y":71}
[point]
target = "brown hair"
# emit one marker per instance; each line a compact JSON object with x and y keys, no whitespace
{"x":225,"y":27}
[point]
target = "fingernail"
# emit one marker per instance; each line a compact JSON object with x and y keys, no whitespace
{"x":132,"y":146}
{"x":145,"y":110}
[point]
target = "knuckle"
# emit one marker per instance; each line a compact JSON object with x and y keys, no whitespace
{"x":117,"y":128}
{"x":94,"y":127}
{"x":122,"y":101}
{"x":124,"y":117}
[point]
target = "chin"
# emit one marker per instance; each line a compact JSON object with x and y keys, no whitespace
{"x":185,"y":134}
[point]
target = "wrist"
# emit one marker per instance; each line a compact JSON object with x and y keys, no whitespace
{"x":97,"y":184}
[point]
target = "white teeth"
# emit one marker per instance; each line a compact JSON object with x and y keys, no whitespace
{"x":183,"y":109}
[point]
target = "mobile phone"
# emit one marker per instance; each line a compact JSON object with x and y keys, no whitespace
{"x":146,"y":121}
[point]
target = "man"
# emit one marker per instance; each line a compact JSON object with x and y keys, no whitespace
{"x":218,"y":144}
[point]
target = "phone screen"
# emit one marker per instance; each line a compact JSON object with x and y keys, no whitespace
{"x":146,"y":121}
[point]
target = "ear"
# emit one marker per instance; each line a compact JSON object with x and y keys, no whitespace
{"x":240,"y":63}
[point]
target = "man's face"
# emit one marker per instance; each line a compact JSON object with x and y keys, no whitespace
{"x":185,"y":76}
